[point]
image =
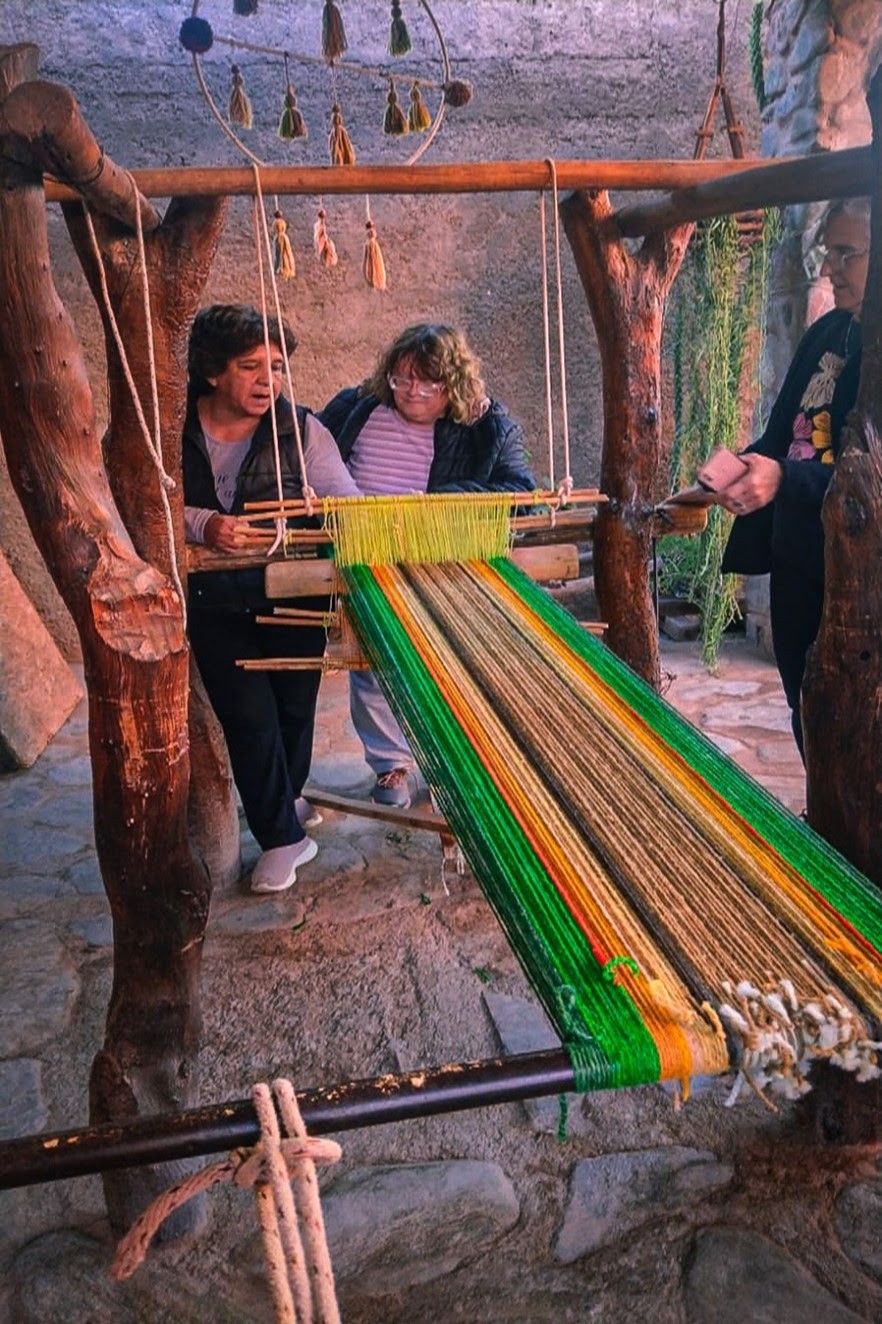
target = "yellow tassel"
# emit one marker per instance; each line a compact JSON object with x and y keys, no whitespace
{"x":339,"y":145}
{"x":283,"y":253}
{"x":374,"y":267}
{"x":325,"y":249}
{"x":418,"y":117}
{"x":240,"y":106}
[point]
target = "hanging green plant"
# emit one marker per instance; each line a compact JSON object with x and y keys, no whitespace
{"x":717,"y":345}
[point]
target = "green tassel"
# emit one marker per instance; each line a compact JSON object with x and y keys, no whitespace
{"x":333,"y":33}
{"x":399,"y":37}
{"x":394,"y":121}
{"x":292,"y":124}
{"x":418,"y":117}
{"x":240,"y":106}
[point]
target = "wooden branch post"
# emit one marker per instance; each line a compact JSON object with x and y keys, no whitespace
{"x":842,"y":692}
{"x":130,"y":624}
{"x":626,"y":295}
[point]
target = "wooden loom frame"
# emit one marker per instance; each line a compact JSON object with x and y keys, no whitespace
{"x":708,"y":189}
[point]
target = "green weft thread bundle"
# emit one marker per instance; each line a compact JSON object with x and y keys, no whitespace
{"x":610,"y":1046}
{"x":388,"y":530}
{"x":856,"y":899}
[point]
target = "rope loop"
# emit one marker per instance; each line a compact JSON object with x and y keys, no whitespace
{"x":609,"y":971}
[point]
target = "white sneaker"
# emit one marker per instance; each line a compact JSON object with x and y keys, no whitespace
{"x":276,"y":870}
{"x":307,"y":815}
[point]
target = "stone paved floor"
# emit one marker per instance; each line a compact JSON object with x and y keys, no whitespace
{"x":51,"y":891}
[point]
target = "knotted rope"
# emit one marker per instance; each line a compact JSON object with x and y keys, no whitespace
{"x":301,"y":1281}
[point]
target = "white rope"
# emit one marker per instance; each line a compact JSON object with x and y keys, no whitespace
{"x":309,"y":495}
{"x":153,"y":440}
{"x":567,"y":481}
{"x":546,"y":338}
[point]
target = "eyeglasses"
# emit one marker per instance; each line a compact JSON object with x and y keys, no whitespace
{"x":423,"y":390}
{"x":840,"y":255}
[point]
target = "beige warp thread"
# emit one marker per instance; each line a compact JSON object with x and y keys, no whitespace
{"x":298,"y":1266}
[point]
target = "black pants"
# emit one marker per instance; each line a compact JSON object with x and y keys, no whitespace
{"x":268,"y":717}
{"x":795,"y":606}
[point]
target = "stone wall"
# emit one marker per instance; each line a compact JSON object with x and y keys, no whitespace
{"x":557,"y":78}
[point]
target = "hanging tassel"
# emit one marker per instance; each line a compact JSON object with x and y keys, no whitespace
{"x":333,"y":34}
{"x":373,"y":267}
{"x":292,"y":123}
{"x":240,"y":106}
{"x":418,"y":117}
{"x":283,"y":253}
{"x":339,"y":145}
{"x":399,"y":37}
{"x":245,"y":8}
{"x":394,"y":120}
{"x":325,"y":249}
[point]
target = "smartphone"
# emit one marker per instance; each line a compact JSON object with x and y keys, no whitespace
{"x":720,"y":470}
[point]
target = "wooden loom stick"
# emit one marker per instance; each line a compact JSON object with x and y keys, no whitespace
{"x":474,"y":177}
{"x":537,"y":497}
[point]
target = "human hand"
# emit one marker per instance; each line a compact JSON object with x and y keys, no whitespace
{"x":230,"y":534}
{"x":756,"y":488}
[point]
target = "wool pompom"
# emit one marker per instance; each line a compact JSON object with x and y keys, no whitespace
{"x":325,"y":249}
{"x":418,"y":117}
{"x":339,"y":144}
{"x":283,"y":253}
{"x":244,"y":8}
{"x":240,"y":106}
{"x":373,"y":266}
{"x":399,"y":37}
{"x":196,"y":35}
{"x":333,"y":32}
{"x":394,"y":121}
{"x":458,"y":93}
{"x":292,"y":123}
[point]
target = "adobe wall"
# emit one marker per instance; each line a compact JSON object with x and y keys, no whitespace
{"x":558,"y":78}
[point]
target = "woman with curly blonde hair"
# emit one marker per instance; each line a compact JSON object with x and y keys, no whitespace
{"x":422,"y":422}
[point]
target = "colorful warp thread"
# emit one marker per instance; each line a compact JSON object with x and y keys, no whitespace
{"x":636,"y":871}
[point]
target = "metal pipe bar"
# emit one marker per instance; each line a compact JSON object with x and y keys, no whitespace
{"x":54,"y":1156}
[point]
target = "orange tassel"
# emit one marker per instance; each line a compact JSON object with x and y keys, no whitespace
{"x":339,"y":145}
{"x":373,"y":267}
{"x":418,"y":117}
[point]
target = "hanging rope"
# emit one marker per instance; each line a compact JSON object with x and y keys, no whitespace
{"x":546,"y":340}
{"x":301,"y":1281}
{"x":154,"y":438}
{"x":566,"y":484}
{"x":266,"y":242}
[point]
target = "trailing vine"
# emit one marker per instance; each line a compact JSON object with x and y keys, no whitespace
{"x":717,"y":343}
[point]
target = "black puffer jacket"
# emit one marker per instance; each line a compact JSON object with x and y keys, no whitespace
{"x":485,"y":456}
{"x":240,"y":590}
{"x":790,"y":527}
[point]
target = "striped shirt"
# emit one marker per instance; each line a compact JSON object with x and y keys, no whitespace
{"x":391,"y":455}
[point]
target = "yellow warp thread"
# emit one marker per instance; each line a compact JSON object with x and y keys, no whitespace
{"x":419,"y":528}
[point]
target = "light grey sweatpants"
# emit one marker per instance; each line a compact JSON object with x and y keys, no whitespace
{"x":385,"y":744}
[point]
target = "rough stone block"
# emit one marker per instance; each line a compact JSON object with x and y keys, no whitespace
{"x":38,"y":690}
{"x":681,"y":627}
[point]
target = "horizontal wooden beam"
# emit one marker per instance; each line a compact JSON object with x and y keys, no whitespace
{"x":459,"y":177}
{"x":311,"y":579}
{"x":810,"y":179}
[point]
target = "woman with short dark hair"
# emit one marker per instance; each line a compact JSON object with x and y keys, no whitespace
{"x":229,"y":458}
